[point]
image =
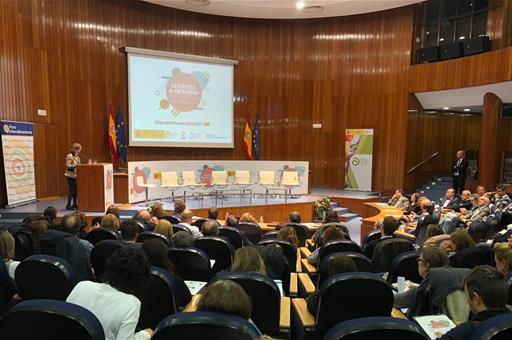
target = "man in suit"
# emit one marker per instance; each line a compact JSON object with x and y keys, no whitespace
{"x":451,"y":200}
{"x":459,"y":171}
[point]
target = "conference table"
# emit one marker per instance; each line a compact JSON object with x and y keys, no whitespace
{"x":376,"y":211}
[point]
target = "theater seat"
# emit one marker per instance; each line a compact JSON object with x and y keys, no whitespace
{"x":25,"y":242}
{"x":50,"y":319}
{"x":177,"y":228}
{"x":495,"y":328}
{"x":172,"y":219}
{"x":101,"y":234}
{"x":234,"y":236}
{"x":191,"y":263}
{"x":270,"y":235}
{"x":201,"y":325}
{"x":146,"y":235}
{"x":7,"y":289}
{"x":217,"y":249}
{"x":371,"y":236}
{"x":301,"y":231}
{"x":199,"y":223}
{"x":362,"y":262}
{"x":406,"y":265}
{"x":289,"y":250}
{"x":101,"y":252}
{"x":252,"y":231}
{"x":158,"y":299}
{"x":376,"y":328}
{"x":337,"y":246}
{"x":265,"y":296}
{"x":45,"y":277}
{"x":472,"y":257}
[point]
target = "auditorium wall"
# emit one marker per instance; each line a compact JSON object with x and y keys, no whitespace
{"x":350,"y":72}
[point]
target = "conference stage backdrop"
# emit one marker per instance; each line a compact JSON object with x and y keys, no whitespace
{"x":358,"y":159}
{"x":18,"y":154}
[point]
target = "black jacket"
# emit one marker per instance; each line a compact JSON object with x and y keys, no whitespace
{"x":461,"y":169}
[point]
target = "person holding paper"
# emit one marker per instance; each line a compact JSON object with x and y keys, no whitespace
{"x":486,"y":293}
{"x":72,"y":160}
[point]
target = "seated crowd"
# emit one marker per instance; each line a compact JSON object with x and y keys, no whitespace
{"x":461,"y":250}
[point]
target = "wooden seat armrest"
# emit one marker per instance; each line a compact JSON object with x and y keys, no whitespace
{"x":310,"y":243}
{"x":306,"y":283}
{"x":304,"y":252}
{"x":397,"y":313}
{"x":298,"y":267}
{"x":192,"y":305}
{"x":284,"y":316}
{"x":301,"y":309}
{"x":308,"y":267}
{"x":294,"y":285}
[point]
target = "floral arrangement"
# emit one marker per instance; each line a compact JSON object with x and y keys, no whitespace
{"x":321,"y":208}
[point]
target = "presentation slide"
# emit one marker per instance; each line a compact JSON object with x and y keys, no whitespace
{"x":175,"y":102}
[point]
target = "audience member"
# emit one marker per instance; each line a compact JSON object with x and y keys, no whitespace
{"x":144,"y":217}
{"x":247,"y":218}
{"x":486,"y":294}
{"x":183,"y":239}
{"x":129,"y":231}
{"x":164,"y":227}
{"x":186,"y":221}
{"x":288,"y":234}
{"x":157,"y":211}
{"x":389,"y":226}
{"x":7,"y":245}
{"x":114,"y":302}
{"x":179,"y":207}
{"x":503,"y":259}
{"x":500,"y":198}
{"x":210,"y":228}
{"x":37,"y":227}
{"x":434,"y":230}
{"x":398,"y":200}
{"x":226,"y":296}
{"x":51,"y":215}
{"x":213,"y":213}
{"x":480,"y":190}
{"x":110,"y":221}
{"x":330,"y":233}
{"x":156,"y":251}
{"x":450,"y":200}
{"x":112,"y":209}
{"x":480,"y":213}
{"x":71,"y":224}
{"x":420,"y":232}
{"x":294,"y":217}
{"x":338,"y":264}
{"x":247,"y":259}
{"x":86,"y":229}
{"x":464,"y":202}
{"x":414,"y":207}
{"x":231,"y":221}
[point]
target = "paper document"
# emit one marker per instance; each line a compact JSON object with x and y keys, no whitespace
{"x":435,"y":325}
{"x":195,"y":286}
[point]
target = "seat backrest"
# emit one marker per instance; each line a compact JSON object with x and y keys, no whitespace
{"x":386,"y":250}
{"x":301,"y":231}
{"x":267,"y":177}
{"x":472,"y":257}
{"x":495,"y":328}
{"x":146,"y":235}
{"x":242,"y":177}
{"x":199,"y":223}
{"x":338,"y":246}
{"x":252,"y":231}
{"x":172,"y":219}
{"x":189,"y":177}
{"x":25,"y":242}
{"x":46,"y":319}
{"x":198,"y":324}
{"x":7,"y":287}
{"x":219,"y":177}
{"x":290,"y":178}
{"x":158,"y":299}
{"x":217,"y":249}
{"x":406,"y":265}
{"x":344,"y":290}
{"x":170,"y":179}
{"x":456,"y":306}
{"x":100,"y":254}
{"x":377,"y":328}
{"x":72,"y":251}
{"x":233,"y":235}
{"x":45,"y":277}
{"x":290,"y":252}
{"x":270,"y":235}
{"x":191,"y":263}
{"x":265,"y":296}
{"x":179,"y":227}
{"x":101,"y":234}
{"x":363,"y":264}
{"x":371,"y":236}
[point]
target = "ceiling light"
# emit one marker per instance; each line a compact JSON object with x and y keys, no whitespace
{"x":442,"y":39}
{"x":198,"y":2}
{"x":467,"y":110}
{"x":300,"y":5}
{"x":446,"y":108}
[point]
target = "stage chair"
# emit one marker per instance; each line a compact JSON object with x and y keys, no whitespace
{"x":158,"y":299}
{"x":146,"y":186}
{"x":101,"y":234}
{"x":340,"y":300}
{"x":220,"y":182}
{"x":267,"y":180}
{"x":146,"y":235}
{"x":189,"y":180}
{"x":170,"y":181}
{"x":233,"y":235}
{"x":289,"y":250}
{"x":217,"y":249}
{"x":101,"y":252}
{"x":289,"y":180}
{"x":198,"y":325}
{"x":191,"y":263}
{"x":50,"y":319}
{"x":376,"y":328}
{"x":45,"y":277}
{"x":251,"y":230}
{"x":267,"y":301}
{"x":495,"y":328}
{"x":243,"y":181}
{"x":406,"y":265}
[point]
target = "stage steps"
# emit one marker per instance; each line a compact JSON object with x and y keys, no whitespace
{"x":435,"y":189}
{"x":344,"y":214}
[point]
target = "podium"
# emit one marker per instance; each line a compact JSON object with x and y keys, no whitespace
{"x":95,"y":186}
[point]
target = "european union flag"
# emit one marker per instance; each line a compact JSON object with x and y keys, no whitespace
{"x":121,"y":135}
{"x":256,"y":138}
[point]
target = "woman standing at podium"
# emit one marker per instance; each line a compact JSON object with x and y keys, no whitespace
{"x":72,"y":160}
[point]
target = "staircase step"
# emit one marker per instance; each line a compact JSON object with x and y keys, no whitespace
{"x":334,"y":205}
{"x":341,"y":211}
{"x":348,"y":217}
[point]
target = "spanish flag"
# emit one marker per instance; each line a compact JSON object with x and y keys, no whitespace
{"x":248,"y":140}
{"x":112,"y":135}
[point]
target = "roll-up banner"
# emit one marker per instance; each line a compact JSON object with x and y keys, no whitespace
{"x":358,"y":159}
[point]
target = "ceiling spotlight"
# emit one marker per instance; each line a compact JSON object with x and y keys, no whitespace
{"x":300,"y":5}
{"x":446,"y":108}
{"x":467,"y":110}
{"x":198,"y":2}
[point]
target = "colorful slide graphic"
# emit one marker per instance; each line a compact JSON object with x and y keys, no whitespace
{"x":358,"y":159}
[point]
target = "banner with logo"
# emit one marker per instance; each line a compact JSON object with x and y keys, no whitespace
{"x":108,"y":179}
{"x":18,"y":154}
{"x":358,"y":159}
